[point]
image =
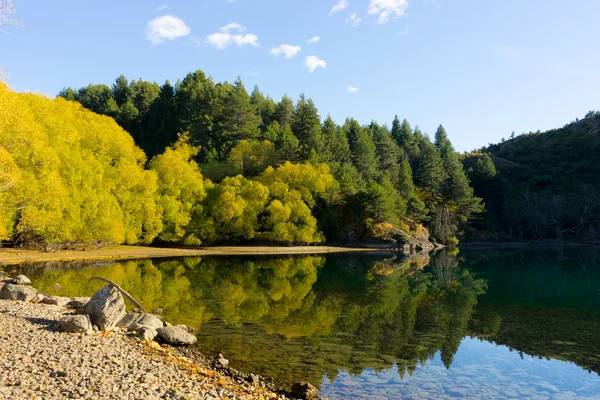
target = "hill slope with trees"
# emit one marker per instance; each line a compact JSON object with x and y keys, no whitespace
{"x":541,"y":185}
{"x":281,"y":171}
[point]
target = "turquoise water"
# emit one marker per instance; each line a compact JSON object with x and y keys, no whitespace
{"x":476,"y":324}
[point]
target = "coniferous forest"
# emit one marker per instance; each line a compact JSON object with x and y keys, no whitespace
{"x":201,"y":162}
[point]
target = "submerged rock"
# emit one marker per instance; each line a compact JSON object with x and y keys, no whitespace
{"x":75,"y":323}
{"x":17,"y":292}
{"x":106,"y":308}
{"x":176,"y":336}
{"x":133,"y":321}
{"x":304,"y":390}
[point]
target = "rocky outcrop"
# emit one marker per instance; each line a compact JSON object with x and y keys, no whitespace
{"x":390,"y":237}
{"x":76,"y":324}
{"x":176,"y":336}
{"x":17,"y":292}
{"x":106,"y":308}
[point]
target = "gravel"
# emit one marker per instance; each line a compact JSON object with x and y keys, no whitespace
{"x":39,"y":362}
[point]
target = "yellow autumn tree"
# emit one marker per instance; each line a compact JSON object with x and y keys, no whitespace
{"x":81,"y":177}
{"x":180,"y":191}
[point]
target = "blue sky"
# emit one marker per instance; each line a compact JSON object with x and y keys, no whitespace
{"x":482,"y":68}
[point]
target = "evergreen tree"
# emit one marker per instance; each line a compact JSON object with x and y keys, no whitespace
{"x":194,"y":97}
{"x":163,"y":121}
{"x":352,"y":130}
{"x":430,"y":174}
{"x":284,"y":112}
{"x":365,"y":156}
{"x":121,"y":90}
{"x":387,"y":151}
{"x":456,"y":187}
{"x":306,"y":126}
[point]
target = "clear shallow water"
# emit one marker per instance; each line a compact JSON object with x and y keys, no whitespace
{"x":478,"y":324}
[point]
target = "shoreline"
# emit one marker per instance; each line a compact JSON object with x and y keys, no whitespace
{"x":14,"y":256}
{"x":110,"y":365}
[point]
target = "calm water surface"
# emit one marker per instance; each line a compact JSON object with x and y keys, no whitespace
{"x":475,"y":324}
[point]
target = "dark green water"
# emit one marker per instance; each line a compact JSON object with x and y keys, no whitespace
{"x":478,"y":324}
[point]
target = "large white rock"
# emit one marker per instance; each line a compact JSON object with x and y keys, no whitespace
{"x":106,"y":308}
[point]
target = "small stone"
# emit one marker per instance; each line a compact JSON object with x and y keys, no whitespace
{"x":57,"y":287}
{"x":22,"y":280}
{"x":304,"y":390}
{"x":145,"y":333}
{"x":157,"y":311}
{"x":57,"y":300}
{"x":222,"y":361}
{"x":75,"y":323}
{"x":176,"y":336}
{"x":39,"y":298}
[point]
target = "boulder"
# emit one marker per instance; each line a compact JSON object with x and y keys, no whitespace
{"x":145,"y":333}
{"x":56,"y":300}
{"x":176,"y":336}
{"x":133,"y":321}
{"x":22,"y":280}
{"x":75,"y":323}
{"x":17,"y":292}
{"x":78,"y":303}
{"x":304,"y":390}
{"x":106,"y":308}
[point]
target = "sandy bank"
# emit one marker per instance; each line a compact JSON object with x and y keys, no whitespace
{"x":19,"y":256}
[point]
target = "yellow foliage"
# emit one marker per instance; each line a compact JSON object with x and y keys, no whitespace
{"x":180,"y":191}
{"x":81,"y":177}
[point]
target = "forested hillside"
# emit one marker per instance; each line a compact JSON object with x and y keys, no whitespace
{"x":277,"y":172}
{"x":543,"y":184}
{"x":222,"y":166}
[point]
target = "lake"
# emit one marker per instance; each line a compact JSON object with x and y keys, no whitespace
{"x":483,"y":324}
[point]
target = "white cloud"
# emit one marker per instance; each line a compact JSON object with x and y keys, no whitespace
{"x":223,"y":39}
{"x":234,"y":26}
{"x":314,"y":39}
{"x":313,"y":62}
{"x":341,"y":5}
{"x":165,"y":28}
{"x":162,"y":7}
{"x":353,"y":20}
{"x":387,"y":8}
{"x":287,"y":50}
{"x":352,"y":89}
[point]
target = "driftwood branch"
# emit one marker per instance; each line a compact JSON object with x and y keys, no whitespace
{"x":120,"y":289}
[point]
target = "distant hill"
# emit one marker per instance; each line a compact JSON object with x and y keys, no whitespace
{"x":542,"y":185}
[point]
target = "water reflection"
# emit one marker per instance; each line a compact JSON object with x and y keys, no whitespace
{"x":338,"y":320}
